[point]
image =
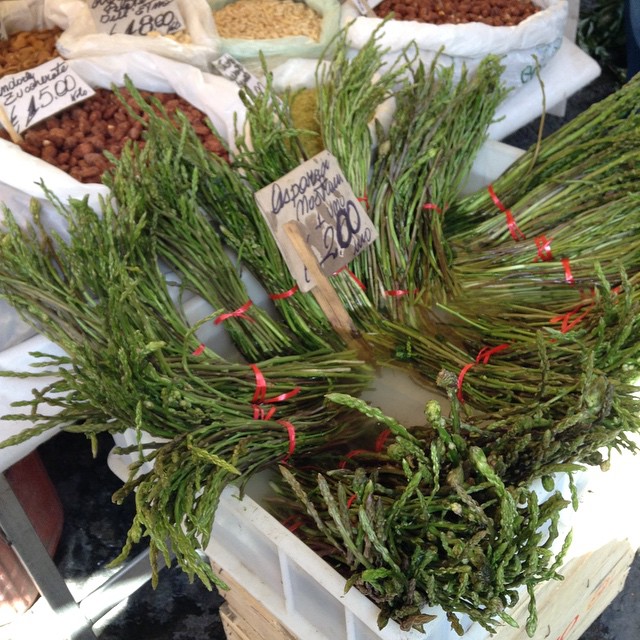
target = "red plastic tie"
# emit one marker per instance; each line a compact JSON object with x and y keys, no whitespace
{"x":381,"y":439}
{"x":260,"y":414}
{"x":285,"y":294}
{"x":291,"y":430}
{"x":259,"y":395}
{"x":238,"y":313}
{"x":351,"y":454}
{"x":433,"y":207}
{"x":351,"y":500}
{"x":199,"y":350}
{"x":261,"y":385}
{"x":570,"y":319}
{"x":544,"y":249}
{"x":482,"y":358}
{"x":364,"y":199}
{"x":292,"y":523}
{"x":396,"y":293}
{"x":515,"y":232}
{"x":568,"y":276}
{"x":354,"y":277}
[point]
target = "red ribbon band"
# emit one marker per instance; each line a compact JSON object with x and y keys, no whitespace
{"x":482,"y":358}
{"x":291,"y":430}
{"x":395,"y":293}
{"x":238,"y":313}
{"x":544,"y":249}
{"x":568,"y":276}
{"x":515,"y":232}
{"x":199,"y":350}
{"x":433,"y":207}
{"x":285,"y":294}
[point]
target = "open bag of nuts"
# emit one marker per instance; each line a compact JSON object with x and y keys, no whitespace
{"x":526,"y":33}
{"x":67,"y":149}
{"x":279,"y":29}
{"x":196,"y":44}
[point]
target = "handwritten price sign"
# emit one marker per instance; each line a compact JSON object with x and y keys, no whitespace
{"x":136,"y":17}
{"x":228,"y":67}
{"x":31,"y":96}
{"x":335,"y":225}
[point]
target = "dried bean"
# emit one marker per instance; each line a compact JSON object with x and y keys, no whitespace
{"x":491,"y":12}
{"x":75,"y":139}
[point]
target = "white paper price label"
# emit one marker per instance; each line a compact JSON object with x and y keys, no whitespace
{"x":136,"y":17}
{"x":364,"y":8}
{"x":335,"y":225}
{"x":228,"y":67}
{"x":31,"y":96}
{"x":3,"y":31}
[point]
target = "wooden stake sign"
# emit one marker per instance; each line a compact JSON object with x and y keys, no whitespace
{"x":334,"y":224}
{"x":319,"y":226}
{"x":325,"y":294}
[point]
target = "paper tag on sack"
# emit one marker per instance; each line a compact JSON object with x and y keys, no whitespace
{"x":3,"y":31}
{"x":33,"y":95}
{"x":136,"y":17}
{"x":228,"y":67}
{"x":335,"y":225}
{"x":364,"y":8}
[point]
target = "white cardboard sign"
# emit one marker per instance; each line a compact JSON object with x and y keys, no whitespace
{"x":228,"y":67}
{"x":136,"y":17}
{"x":33,"y":95}
{"x":335,"y":225}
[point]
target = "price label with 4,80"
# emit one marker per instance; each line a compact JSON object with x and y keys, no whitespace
{"x":136,"y":17}
{"x":31,"y":96}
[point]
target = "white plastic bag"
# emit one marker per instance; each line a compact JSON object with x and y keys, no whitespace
{"x":23,"y":15}
{"x":279,"y":49}
{"x":23,"y":173}
{"x":217,"y":97}
{"x":81,"y":38}
{"x":539,"y":35}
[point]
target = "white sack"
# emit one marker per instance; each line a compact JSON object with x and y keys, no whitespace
{"x":22,"y":173}
{"x":539,"y":35}
{"x":80,"y":37}
{"x":23,"y":15}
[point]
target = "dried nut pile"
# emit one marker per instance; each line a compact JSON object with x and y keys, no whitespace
{"x":27,"y":49}
{"x":267,"y":19}
{"x":75,"y":139}
{"x":496,"y":13}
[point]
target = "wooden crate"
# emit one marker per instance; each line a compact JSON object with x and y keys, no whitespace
{"x":244,"y":618}
{"x":566,"y":608}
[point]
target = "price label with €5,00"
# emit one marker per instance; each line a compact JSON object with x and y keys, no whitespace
{"x":33,"y":95}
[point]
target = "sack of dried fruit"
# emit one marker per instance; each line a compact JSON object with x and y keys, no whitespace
{"x":525,"y":32}
{"x":83,"y":36}
{"x":279,"y":29}
{"x":64,"y":150}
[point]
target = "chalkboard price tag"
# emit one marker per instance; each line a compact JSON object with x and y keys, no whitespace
{"x":136,"y":17}
{"x":228,"y":67}
{"x":333,"y":222}
{"x":33,"y":95}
